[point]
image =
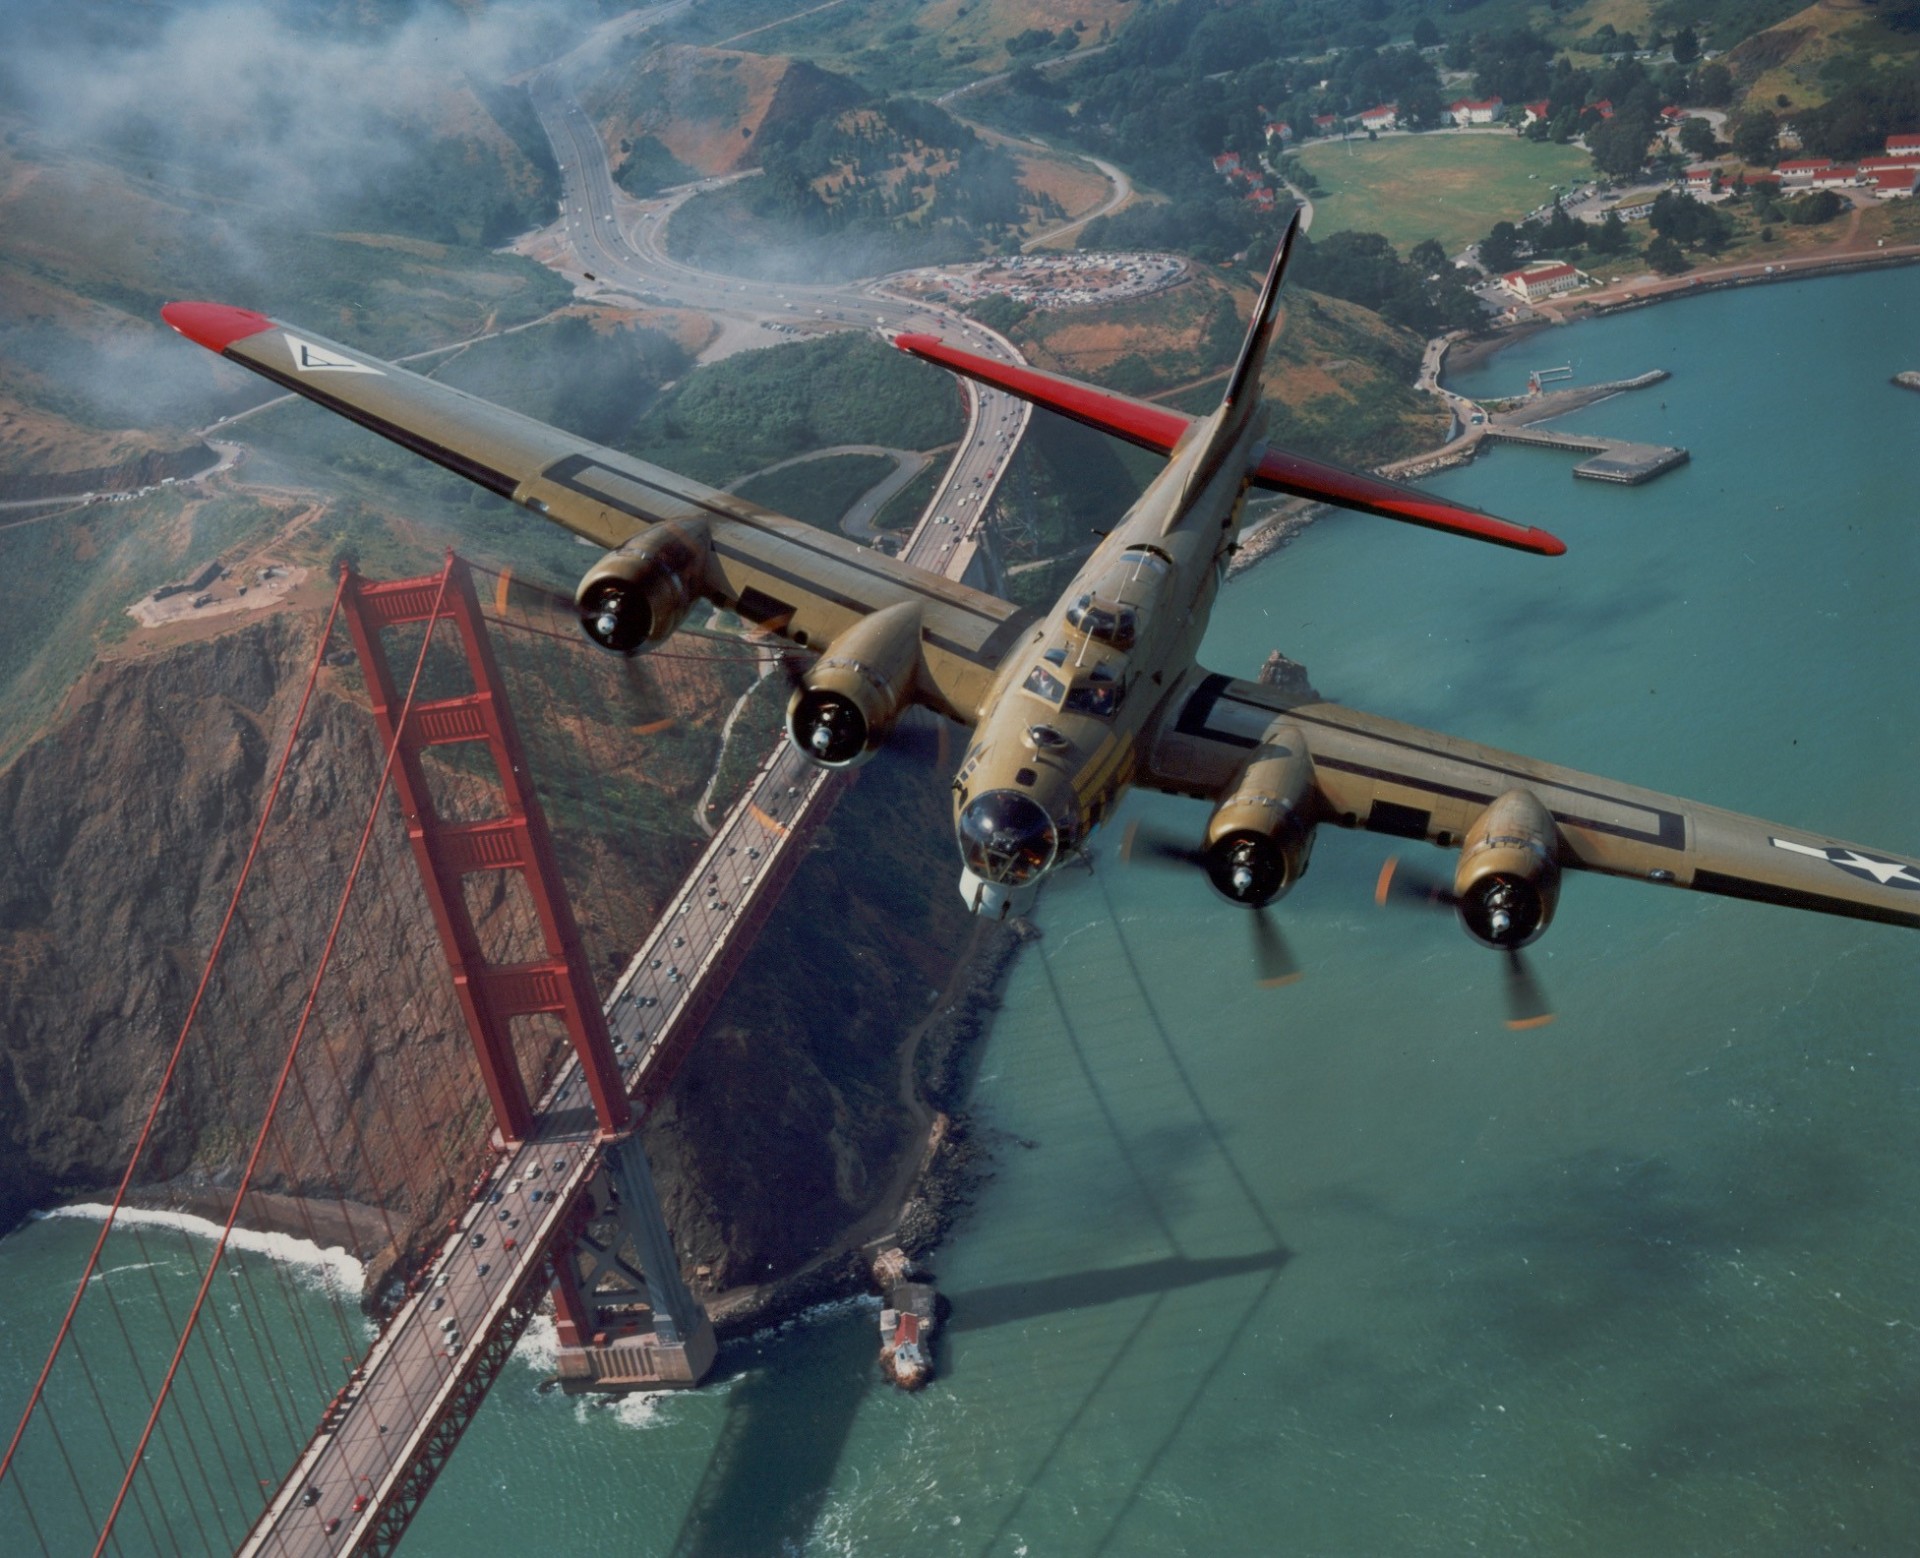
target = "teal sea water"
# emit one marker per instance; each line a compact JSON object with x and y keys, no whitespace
{"x":1348,"y":1267}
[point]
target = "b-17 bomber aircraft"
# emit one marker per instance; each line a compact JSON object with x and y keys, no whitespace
{"x":1071,"y":706}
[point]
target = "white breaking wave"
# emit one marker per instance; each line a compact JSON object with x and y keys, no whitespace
{"x":539,"y":1345}
{"x":331,"y":1265}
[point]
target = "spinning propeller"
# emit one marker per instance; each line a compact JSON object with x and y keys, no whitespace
{"x":1527,"y":1003}
{"x":1272,"y":958}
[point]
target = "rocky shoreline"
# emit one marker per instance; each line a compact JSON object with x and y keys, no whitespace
{"x":956,"y":1157}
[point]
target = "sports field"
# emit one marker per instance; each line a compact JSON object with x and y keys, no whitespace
{"x":1442,"y":185}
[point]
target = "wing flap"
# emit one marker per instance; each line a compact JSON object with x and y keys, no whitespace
{"x":1401,"y":780}
{"x":798,"y":582}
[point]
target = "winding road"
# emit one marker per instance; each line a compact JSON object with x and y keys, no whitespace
{"x":621,"y":243}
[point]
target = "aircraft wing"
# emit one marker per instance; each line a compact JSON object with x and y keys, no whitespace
{"x":788,"y":577}
{"x":1411,"y":783}
{"x":1162,"y":429}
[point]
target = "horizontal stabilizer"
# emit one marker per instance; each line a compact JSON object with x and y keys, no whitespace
{"x":1161,"y":428}
{"x":1304,"y":478}
{"x":1138,"y":421}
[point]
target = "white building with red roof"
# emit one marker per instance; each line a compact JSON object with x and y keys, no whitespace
{"x":1903,"y":145}
{"x":1837,"y":176}
{"x":1383,"y":117}
{"x":1893,"y":183}
{"x":1466,"y":111}
{"x":1546,"y":279}
{"x":1803,"y":167}
{"x":1538,"y":111}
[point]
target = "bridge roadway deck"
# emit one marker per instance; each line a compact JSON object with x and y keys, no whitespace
{"x":412,"y":1397}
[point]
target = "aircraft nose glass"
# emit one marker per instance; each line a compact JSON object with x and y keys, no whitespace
{"x":1007,"y":837}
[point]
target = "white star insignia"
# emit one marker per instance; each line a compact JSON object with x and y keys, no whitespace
{"x":1888,"y":873}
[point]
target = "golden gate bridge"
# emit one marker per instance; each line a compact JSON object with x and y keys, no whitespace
{"x":478,"y":1179}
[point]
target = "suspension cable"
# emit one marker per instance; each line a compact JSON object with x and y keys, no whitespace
{"x":293,"y":1050}
{"x":179,"y":1045}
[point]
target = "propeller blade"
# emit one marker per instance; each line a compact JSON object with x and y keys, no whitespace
{"x":1406,"y":885}
{"x":1271,"y":954}
{"x":1527,"y":1004}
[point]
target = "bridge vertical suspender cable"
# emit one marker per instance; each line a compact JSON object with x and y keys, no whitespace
{"x":286,"y":1069}
{"x":179,"y":1046}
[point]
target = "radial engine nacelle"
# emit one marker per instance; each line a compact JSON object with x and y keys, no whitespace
{"x":1508,"y":881}
{"x":636,"y":595}
{"x":1260,"y":837}
{"x":848,"y":700}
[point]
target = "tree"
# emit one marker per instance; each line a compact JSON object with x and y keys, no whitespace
{"x":1500,"y":249}
{"x":1425,"y":34}
{"x":1428,"y":257}
{"x":1422,"y":106}
{"x":1619,"y":145}
{"x":1696,"y":137}
{"x":1713,"y":85}
{"x":1755,"y":135}
{"x":1664,"y":255}
{"x":1686,"y":46}
{"x":1610,"y":236}
{"x":1823,"y":205}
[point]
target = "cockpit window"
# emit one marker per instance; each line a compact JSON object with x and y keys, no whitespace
{"x":1042,"y":683}
{"x":1099,"y":696}
{"x":1108,"y":621}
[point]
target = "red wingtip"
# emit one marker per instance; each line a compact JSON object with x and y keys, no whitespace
{"x":216,"y":326}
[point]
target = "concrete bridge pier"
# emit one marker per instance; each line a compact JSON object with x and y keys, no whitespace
{"x":626,"y":1318}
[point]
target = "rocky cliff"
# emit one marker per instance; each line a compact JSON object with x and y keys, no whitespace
{"x":125,"y":826}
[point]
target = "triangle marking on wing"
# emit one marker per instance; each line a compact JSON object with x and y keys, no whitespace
{"x":309,"y":358}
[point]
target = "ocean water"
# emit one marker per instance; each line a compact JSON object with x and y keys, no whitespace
{"x":1348,"y":1267}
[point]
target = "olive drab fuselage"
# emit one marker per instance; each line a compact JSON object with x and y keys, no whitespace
{"x":1060,"y":730}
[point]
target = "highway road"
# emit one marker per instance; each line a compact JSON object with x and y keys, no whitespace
{"x":622,"y":243}
{"x":401,"y":1411}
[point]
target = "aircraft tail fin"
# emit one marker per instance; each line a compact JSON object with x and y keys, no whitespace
{"x":1243,"y":386}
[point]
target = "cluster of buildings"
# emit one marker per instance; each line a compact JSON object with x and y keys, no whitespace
{"x":1893,"y":175}
{"x":1253,"y":183}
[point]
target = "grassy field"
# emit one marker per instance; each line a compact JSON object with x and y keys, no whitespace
{"x":1450,"y":187}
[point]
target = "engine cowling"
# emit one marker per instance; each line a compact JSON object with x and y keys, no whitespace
{"x":1507,"y":884}
{"x":848,"y":700}
{"x":1259,"y":838}
{"x":637,"y":595}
